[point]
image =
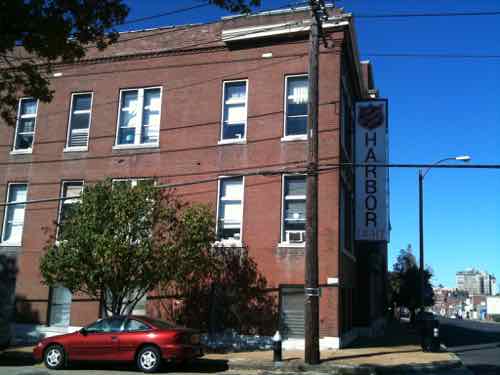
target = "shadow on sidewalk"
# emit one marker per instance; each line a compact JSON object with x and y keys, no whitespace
{"x":396,"y":334}
{"x":13,"y":357}
{"x":367,"y":355}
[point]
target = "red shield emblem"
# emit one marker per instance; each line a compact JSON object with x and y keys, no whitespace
{"x":371,"y":116}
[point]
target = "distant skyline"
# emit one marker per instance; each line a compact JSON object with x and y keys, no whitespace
{"x":438,"y":107}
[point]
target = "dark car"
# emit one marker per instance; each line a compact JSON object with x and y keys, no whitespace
{"x":142,"y":340}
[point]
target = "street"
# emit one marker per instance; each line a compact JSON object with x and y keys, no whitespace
{"x":476,"y":343}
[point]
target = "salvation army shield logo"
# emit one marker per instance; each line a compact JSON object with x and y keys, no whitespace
{"x":371,"y":116}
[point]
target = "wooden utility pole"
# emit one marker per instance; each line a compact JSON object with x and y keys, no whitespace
{"x":311,"y":310}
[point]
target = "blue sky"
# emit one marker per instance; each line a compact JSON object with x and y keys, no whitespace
{"x":438,"y":108}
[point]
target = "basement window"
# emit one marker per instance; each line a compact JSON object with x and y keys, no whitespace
{"x":139,"y":118}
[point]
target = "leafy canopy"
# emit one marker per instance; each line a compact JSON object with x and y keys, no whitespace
{"x":53,"y":31}
{"x":121,"y":241}
{"x":404,"y":282}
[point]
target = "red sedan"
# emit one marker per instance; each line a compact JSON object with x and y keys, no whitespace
{"x":143,"y":340}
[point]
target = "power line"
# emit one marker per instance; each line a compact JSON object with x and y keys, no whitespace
{"x":164,"y":14}
{"x":432,"y":56}
{"x":429,"y":14}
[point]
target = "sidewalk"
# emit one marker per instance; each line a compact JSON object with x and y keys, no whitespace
{"x":397,"y":352}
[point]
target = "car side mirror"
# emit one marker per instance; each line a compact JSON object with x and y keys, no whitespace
{"x":84,"y":332}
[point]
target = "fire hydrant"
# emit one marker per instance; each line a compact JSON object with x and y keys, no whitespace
{"x":277,"y":348}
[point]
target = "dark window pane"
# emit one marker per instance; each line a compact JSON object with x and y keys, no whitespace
{"x":24,"y":141}
{"x":135,"y":325}
{"x":296,"y":125}
{"x":233,"y":131}
{"x":81,"y":102}
{"x":295,"y":185}
{"x":28,"y":106}
{"x":80,"y":121}
{"x":26,"y":125}
{"x":126,"y":136}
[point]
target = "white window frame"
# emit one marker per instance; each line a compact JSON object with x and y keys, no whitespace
{"x":236,"y":243}
{"x":288,"y":138}
{"x":68,"y":148}
{"x":133,"y":180}
{"x":19,"y":116}
{"x":61,"y":202}
{"x":284,"y":242}
{"x":138,"y":130}
{"x":233,"y":140}
{"x":6,"y":209}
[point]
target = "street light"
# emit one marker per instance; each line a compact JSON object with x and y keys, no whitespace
{"x":421,"y":175}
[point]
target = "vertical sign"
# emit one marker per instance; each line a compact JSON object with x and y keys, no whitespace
{"x":372,"y":219}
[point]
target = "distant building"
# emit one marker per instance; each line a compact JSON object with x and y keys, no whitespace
{"x":476,"y":282}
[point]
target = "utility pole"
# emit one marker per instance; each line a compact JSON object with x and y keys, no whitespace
{"x":421,"y":234}
{"x":312,"y":291}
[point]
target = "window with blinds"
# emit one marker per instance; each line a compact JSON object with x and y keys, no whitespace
{"x":296,"y":106}
{"x":72,"y":191}
{"x":139,"y":117}
{"x":294,"y":209}
{"x":230,"y":212}
{"x":26,"y":124}
{"x":60,"y":307}
{"x":13,"y":221}
{"x":79,"y":121}
{"x":234,"y":119}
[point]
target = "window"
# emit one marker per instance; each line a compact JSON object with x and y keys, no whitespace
{"x":133,"y":182}
{"x":79,"y":121}
{"x":294,"y":209}
{"x":133,"y":325}
{"x":346,"y":223}
{"x":345,"y":123}
{"x":234,"y":119}
{"x":71,"y":190}
{"x":13,"y":221}
{"x":139,"y":117}
{"x":60,"y":307}
{"x":230,"y":209}
{"x":296,"y":106}
{"x":26,"y":123}
{"x":106,"y":325}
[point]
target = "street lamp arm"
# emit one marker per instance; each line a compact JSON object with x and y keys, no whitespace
{"x":423,"y":173}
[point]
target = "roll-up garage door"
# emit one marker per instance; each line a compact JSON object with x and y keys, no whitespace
{"x":292,"y":312}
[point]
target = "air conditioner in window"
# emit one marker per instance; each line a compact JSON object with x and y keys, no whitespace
{"x":295,"y":236}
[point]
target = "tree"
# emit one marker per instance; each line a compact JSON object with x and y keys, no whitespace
{"x":121,"y":241}
{"x":234,"y":295}
{"x":404,"y":283}
{"x":57,"y":31}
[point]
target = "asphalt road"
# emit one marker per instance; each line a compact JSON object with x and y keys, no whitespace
{"x":476,"y":343}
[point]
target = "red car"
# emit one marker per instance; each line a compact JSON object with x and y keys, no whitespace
{"x":122,"y":338}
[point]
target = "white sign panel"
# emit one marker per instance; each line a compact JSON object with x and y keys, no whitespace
{"x":493,"y":305}
{"x":372,"y":187}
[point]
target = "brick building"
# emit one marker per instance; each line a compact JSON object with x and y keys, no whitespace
{"x":195,"y":102}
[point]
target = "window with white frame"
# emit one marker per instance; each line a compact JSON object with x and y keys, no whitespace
{"x":26,"y":124}
{"x":13,"y":221}
{"x":133,"y":182}
{"x":139,"y":117}
{"x":230,"y":211}
{"x":72,"y":191}
{"x":296,"y":106}
{"x":60,"y":306}
{"x":79,"y":121}
{"x":294,"y":209}
{"x":234,"y":119}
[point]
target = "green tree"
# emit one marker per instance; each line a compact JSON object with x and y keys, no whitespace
{"x":57,"y":31}
{"x":121,"y":241}
{"x":404,"y":283}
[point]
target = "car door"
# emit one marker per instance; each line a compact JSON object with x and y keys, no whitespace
{"x":98,"y":342}
{"x":133,"y":335}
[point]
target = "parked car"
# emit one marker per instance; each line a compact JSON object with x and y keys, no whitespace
{"x":142,"y":340}
{"x":5,"y":333}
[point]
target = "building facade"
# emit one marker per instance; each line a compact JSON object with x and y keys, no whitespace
{"x":476,"y":282}
{"x":188,"y":103}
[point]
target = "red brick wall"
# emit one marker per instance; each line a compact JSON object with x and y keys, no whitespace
{"x":190,"y":127}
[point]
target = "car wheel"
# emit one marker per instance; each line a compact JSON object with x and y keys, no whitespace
{"x":149,"y":359}
{"x":54,"y":357}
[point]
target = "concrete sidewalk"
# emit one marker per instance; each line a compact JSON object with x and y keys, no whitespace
{"x":397,"y":352}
